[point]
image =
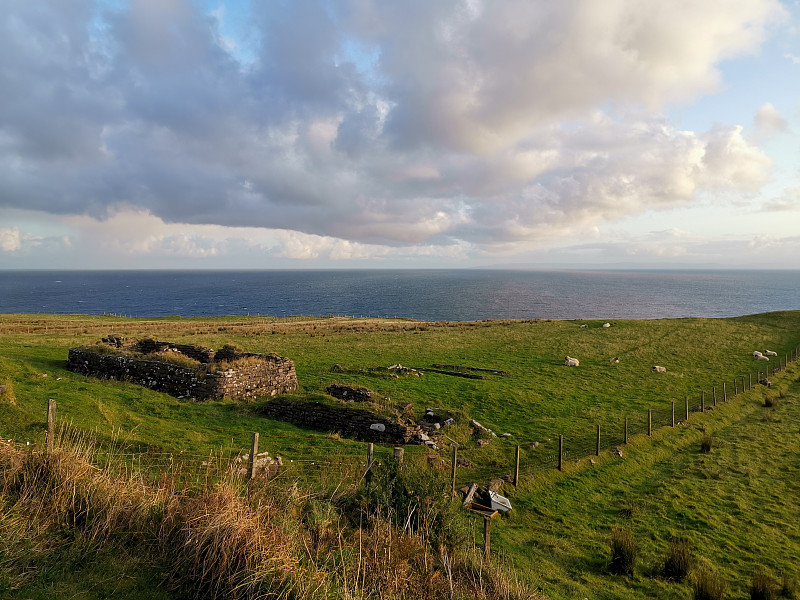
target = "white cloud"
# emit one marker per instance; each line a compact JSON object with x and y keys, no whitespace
{"x":460,"y":125}
{"x":10,"y":239}
{"x":769,"y":119}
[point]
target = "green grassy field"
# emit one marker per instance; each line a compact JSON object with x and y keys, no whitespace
{"x":731,"y":503}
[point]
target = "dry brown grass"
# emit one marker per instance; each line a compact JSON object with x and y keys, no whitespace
{"x":225,"y":540}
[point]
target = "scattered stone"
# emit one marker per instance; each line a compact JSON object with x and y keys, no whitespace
{"x":505,"y":435}
{"x":423,"y":437}
{"x":436,"y":426}
{"x":449,"y":421}
{"x":349,"y":394}
{"x":480,"y":427}
{"x":617,"y":451}
{"x":378,"y":427}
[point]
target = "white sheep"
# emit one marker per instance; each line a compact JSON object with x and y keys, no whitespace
{"x":756,"y":354}
{"x":571,"y":362}
{"x":584,"y":326}
{"x":762,"y":357}
{"x":658,"y":369}
{"x":606,"y":324}
{"x":770,"y":353}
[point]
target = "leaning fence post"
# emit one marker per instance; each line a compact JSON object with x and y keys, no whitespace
{"x":598,"y":440}
{"x":516,"y":466}
{"x":673,"y":413}
{"x":560,"y":452}
{"x":453,"y":470}
{"x":649,"y":421}
{"x":487,"y":536}
{"x":51,"y":420}
{"x":253,"y":452}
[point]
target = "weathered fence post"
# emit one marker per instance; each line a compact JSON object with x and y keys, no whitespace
{"x":686,"y":400}
{"x":724,"y":392}
{"x":597,"y":453}
{"x":487,"y":536}
{"x":398,"y":454}
{"x":560,"y":452}
{"x":702,"y":402}
{"x":516,"y":466}
{"x":51,"y":422}
{"x":714,"y":394}
{"x":626,"y":430}
{"x":743,"y":388}
{"x":650,"y":421}
{"x":735,"y":388}
{"x":750,"y":380}
{"x":370,"y":461}
{"x":453,"y":470}
{"x":673,"y":413}
{"x":253,"y":452}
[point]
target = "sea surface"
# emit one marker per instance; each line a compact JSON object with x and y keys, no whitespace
{"x":429,"y":295}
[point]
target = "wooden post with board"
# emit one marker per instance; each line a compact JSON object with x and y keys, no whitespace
{"x":51,"y":425}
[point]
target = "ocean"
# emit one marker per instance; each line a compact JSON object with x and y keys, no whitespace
{"x":428,"y":295}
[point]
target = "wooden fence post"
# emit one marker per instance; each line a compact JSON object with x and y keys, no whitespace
{"x":487,"y":536}
{"x":735,"y":388}
{"x":686,"y":400}
{"x":650,"y":421}
{"x":253,"y":452}
{"x":370,"y":460}
{"x":51,"y":422}
{"x":597,"y":453}
{"x":398,"y":454}
{"x":626,"y":430}
{"x":744,"y":389}
{"x":724,"y":392}
{"x":453,"y":470}
{"x":714,"y":394}
{"x":560,"y":452}
{"x":702,"y":402}
{"x":673,"y":413}
{"x":516,"y":466}
{"x":750,"y":380}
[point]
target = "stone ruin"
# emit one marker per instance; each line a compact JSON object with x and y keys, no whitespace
{"x":168,"y":367}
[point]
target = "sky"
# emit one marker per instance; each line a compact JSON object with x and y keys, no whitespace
{"x":300,"y":134}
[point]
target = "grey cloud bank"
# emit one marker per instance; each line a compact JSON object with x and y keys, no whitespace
{"x":358,"y":127}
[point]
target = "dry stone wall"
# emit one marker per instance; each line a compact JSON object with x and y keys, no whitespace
{"x":351,"y":422}
{"x":258,"y":375}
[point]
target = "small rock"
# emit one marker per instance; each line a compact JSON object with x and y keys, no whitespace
{"x":380,"y":427}
{"x":436,"y":426}
{"x":449,"y":421}
{"x":505,"y":435}
{"x":617,"y":451}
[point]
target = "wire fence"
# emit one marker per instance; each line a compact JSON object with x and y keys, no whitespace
{"x":330,"y":463}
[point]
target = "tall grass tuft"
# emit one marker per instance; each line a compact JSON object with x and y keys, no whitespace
{"x":707,"y":584}
{"x":623,"y":552}
{"x":678,"y":560}
{"x":762,"y":586}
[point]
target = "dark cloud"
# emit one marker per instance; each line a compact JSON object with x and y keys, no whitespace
{"x":390,"y":123}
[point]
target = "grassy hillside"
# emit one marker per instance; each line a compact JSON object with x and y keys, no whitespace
{"x":728,"y":503}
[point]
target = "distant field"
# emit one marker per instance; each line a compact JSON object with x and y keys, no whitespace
{"x":731,"y":502}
